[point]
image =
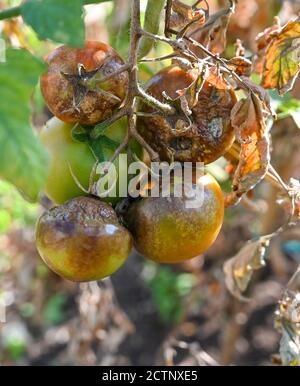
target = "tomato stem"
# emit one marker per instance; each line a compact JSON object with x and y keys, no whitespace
{"x":151,"y":24}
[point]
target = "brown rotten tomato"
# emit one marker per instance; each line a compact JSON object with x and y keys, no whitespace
{"x":209,"y":133}
{"x":72,"y":86}
{"x":174,"y":229}
{"x":82,"y":240}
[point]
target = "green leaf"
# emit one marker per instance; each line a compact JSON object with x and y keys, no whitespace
{"x":58,"y":20}
{"x":98,"y":146}
{"x":79,"y":134}
{"x":290,"y":107}
{"x":54,"y":309}
{"x":5,"y":220}
{"x":100,"y":128}
{"x":97,"y":149}
{"x":169,"y":289}
{"x":109,"y":143}
{"x":23,"y":159}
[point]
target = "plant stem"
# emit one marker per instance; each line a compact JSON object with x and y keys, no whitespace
{"x":167,"y":18}
{"x":151,"y":24}
{"x":133,"y":90}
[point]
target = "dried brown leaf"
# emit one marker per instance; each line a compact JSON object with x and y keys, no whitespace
{"x":261,"y":93}
{"x":262,"y":41}
{"x":183,"y":15}
{"x":239,"y":269}
{"x":240,"y":65}
{"x":288,"y":322}
{"x":290,"y":348}
{"x":213,"y":33}
{"x":293,"y":198}
{"x":248,"y":122}
{"x":216,"y":79}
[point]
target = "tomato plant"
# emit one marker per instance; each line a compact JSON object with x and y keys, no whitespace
{"x":185,"y":95}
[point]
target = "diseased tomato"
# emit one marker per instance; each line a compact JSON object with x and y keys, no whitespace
{"x":72,"y":86}
{"x":167,"y":230}
{"x":82,"y":240}
{"x":208,"y":134}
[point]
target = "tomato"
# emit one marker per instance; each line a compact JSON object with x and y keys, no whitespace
{"x":82,"y":240}
{"x":68,"y":157}
{"x":209,"y":133}
{"x":166,"y":230}
{"x":71,"y":86}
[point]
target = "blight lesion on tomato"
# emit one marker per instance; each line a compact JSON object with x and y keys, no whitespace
{"x":82,"y":240}
{"x":203,"y":136}
{"x":72,"y":86}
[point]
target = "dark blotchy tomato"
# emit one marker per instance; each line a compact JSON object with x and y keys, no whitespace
{"x":72,"y":89}
{"x":82,"y":240}
{"x":210,"y":133}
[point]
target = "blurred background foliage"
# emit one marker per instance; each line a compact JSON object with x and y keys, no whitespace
{"x":149,"y":314}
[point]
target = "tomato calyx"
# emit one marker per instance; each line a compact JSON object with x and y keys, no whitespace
{"x":84,"y":82}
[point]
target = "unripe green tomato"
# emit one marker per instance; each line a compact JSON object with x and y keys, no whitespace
{"x":68,"y":156}
{"x":82,"y":240}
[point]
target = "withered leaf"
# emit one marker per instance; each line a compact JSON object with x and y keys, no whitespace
{"x":213,"y":33}
{"x":294,"y":192}
{"x":216,"y":79}
{"x":263,"y":38}
{"x":287,"y":322}
{"x":239,"y":269}
{"x":282,"y":60}
{"x":290,"y":348}
{"x":240,"y":65}
{"x":262,"y":41}
{"x":261,"y":93}
{"x":291,"y":202}
{"x":196,"y":87}
{"x":248,"y":122}
{"x":183,"y":15}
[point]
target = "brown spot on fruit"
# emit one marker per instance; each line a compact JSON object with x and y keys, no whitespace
{"x":210,"y":134}
{"x":82,"y":240}
{"x":67,"y":95}
{"x":167,"y":231}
